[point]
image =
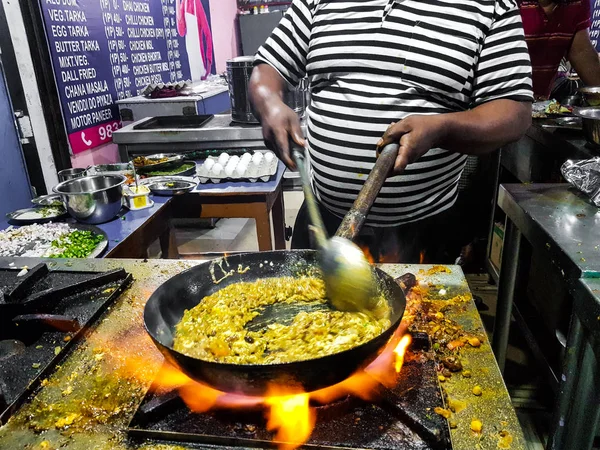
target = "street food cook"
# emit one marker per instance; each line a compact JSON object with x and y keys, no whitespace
{"x":215,"y":329}
{"x":442,"y":81}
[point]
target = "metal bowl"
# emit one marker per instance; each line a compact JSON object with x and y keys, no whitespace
{"x":590,"y":118}
{"x":171,"y":187}
{"x":572,"y":100}
{"x":590,"y":95}
{"x":118,"y":167}
{"x":95,"y":199}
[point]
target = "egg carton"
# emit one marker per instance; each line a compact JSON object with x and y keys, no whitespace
{"x":261,"y":172}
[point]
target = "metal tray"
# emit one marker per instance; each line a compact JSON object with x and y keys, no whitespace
{"x":13,"y":218}
{"x":167,"y":188}
{"x":172,"y":162}
{"x":170,"y":122}
{"x":48,"y":200}
{"x":564,"y":123}
{"x":119,"y":167}
{"x":102,"y":245}
{"x":184,"y":173}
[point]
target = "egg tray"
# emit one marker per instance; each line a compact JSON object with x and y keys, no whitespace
{"x":263,"y":172}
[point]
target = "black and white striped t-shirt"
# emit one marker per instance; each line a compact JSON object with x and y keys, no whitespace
{"x":373,"y":62}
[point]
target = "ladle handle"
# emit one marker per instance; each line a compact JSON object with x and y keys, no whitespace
{"x":355,"y":218}
{"x":135,"y":178}
{"x":311,"y":203}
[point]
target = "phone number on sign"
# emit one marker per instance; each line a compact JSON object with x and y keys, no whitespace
{"x":93,"y":137}
{"x":105,"y":132}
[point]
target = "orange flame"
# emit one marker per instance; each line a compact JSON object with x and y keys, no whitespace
{"x":390,"y":254}
{"x":288,"y":412}
{"x":290,"y":416}
{"x":422,"y":257}
{"x":368,"y":255}
{"x":400,"y":351}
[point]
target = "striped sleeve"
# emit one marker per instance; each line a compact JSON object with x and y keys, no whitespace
{"x":286,"y":49}
{"x":503,"y":70}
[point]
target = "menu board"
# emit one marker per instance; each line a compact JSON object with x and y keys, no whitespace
{"x":595,"y":28}
{"x":106,"y":50}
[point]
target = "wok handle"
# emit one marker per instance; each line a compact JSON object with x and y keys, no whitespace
{"x":355,"y":218}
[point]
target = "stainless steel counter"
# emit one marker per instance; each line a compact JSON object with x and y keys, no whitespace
{"x":89,"y":400}
{"x":550,"y":268}
{"x":218,"y":133}
{"x":537,"y":157}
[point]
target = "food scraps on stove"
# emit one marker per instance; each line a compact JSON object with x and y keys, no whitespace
{"x":476,"y":426}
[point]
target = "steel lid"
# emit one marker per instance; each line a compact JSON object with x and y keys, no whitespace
{"x":241,"y":61}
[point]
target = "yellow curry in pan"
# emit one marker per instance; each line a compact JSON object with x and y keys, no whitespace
{"x":216,"y":329}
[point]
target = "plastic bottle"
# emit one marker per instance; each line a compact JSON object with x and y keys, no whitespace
{"x":255,"y":10}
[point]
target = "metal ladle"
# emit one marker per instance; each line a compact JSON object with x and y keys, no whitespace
{"x":135,"y":178}
{"x":349,"y":279}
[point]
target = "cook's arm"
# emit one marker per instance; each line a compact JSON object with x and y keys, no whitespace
{"x":584,"y":58}
{"x":281,"y":62}
{"x":483,"y":129}
{"x":486,"y":127}
{"x":279,"y":122}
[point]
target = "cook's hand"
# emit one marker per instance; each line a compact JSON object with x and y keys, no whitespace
{"x":416,"y":135}
{"x":280,"y":124}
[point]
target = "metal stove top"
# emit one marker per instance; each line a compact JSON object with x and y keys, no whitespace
{"x":49,"y":313}
{"x":402,"y":417}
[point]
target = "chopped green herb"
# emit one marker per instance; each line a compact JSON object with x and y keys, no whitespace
{"x":176,"y":171}
{"x":78,"y":244}
{"x":39,"y":346}
{"x":57,"y":350}
{"x":50,"y":211}
{"x":36,"y":365}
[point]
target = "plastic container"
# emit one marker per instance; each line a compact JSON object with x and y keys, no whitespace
{"x":257,"y":168}
{"x":138,"y":198}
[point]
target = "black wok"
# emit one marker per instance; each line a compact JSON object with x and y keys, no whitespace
{"x":167,"y":304}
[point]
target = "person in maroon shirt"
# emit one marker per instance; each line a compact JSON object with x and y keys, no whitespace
{"x":556,"y":29}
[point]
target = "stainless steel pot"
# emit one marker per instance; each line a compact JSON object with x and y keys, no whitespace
{"x":95,"y":199}
{"x":590,"y":117}
{"x":239,"y":71}
{"x":71,"y":174}
{"x":590,"y":95}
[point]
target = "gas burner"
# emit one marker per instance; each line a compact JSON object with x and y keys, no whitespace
{"x":401,"y":417}
{"x":42,"y":315}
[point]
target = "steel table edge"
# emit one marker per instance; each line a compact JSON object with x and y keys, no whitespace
{"x":113,"y":245}
{"x":538,"y":238}
{"x":586,"y":305}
